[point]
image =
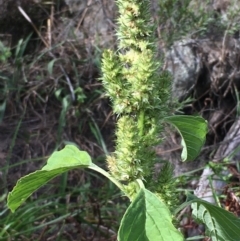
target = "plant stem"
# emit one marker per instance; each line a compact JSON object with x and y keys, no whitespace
{"x":106,"y":174}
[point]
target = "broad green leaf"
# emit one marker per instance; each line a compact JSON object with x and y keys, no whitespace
{"x":148,"y":219}
{"x":59,"y":162}
{"x":193,"y":130}
{"x":221,"y":224}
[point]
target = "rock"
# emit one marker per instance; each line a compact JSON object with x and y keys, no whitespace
{"x":184,"y":65}
{"x":93,"y":20}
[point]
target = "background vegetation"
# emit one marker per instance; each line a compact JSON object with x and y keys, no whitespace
{"x":50,"y":95}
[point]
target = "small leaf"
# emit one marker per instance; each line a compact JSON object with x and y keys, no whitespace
{"x":2,"y":109}
{"x":148,"y":219}
{"x":50,"y":66}
{"x":59,"y":162}
{"x":221,"y":224}
{"x":193,"y":130}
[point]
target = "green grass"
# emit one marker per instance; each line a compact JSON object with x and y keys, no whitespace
{"x":47,"y":102}
{"x":49,"y":211}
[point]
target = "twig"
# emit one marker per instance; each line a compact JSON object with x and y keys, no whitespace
{"x":30,"y":21}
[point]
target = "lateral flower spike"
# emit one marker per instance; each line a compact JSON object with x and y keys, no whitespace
{"x":138,"y":91}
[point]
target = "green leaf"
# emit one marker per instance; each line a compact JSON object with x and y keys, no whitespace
{"x":50,"y":66}
{"x":59,"y":162}
{"x":2,"y":109}
{"x":193,"y":130}
{"x":148,"y":219}
{"x":221,"y":224}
